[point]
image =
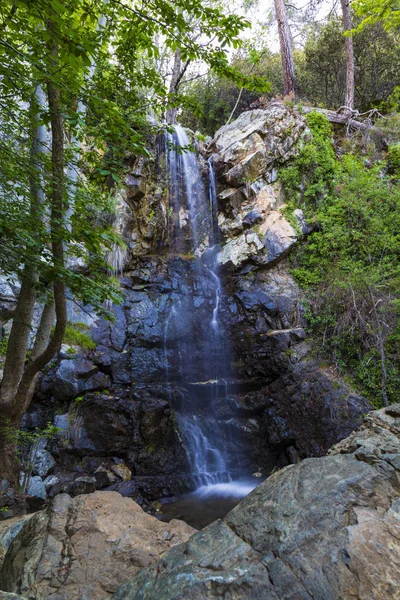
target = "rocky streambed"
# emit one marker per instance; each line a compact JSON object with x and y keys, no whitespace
{"x":326,"y":528}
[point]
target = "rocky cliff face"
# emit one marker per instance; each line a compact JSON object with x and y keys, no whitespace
{"x":116,"y":404}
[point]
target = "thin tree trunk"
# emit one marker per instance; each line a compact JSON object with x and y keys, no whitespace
{"x":285,"y":41}
{"x":23,"y":314}
{"x":235,"y":107}
{"x":347,"y":26}
{"x":56,"y":228}
{"x":72,"y":168}
{"x":13,"y":403}
{"x":173,"y":87}
{"x":22,"y":318}
{"x":42,"y":339}
{"x":18,"y":341}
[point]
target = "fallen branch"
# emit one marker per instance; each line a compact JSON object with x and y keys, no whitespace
{"x":341,"y":118}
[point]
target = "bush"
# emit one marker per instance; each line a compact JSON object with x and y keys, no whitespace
{"x":350,"y":263}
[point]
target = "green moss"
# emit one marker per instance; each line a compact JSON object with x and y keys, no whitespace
{"x":74,"y":335}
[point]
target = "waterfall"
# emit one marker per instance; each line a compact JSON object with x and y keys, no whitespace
{"x":195,"y":229}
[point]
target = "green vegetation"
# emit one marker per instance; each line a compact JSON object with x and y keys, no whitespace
{"x":3,"y":345}
{"x":320,"y":67}
{"x":75,"y":336}
{"x":350,"y":263}
{"x":26,"y":445}
{"x":393,"y":157}
{"x":78,"y":81}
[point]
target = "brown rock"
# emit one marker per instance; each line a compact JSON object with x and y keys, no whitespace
{"x":121,"y":471}
{"x":85,"y":547}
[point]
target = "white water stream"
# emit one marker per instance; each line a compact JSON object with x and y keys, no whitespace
{"x":206,"y":438}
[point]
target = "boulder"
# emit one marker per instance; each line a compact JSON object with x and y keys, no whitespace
{"x":84,"y":547}
{"x":325,"y":529}
{"x":273,"y":131}
{"x":82,"y":485}
{"x":43,"y":461}
{"x":75,"y":376}
{"x":36,"y":488}
{"x":121,"y":471}
{"x":239,"y":250}
{"x":9,"y":529}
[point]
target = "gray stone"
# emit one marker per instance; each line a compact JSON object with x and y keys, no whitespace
{"x":82,"y":485}
{"x":240,"y":249}
{"x":62,"y":422}
{"x":50,"y":481}
{"x":8,"y":531}
{"x":43,"y":462}
{"x":36,"y":488}
{"x":324,"y":529}
{"x":73,"y":377}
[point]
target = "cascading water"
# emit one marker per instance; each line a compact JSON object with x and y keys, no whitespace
{"x":204,"y":361}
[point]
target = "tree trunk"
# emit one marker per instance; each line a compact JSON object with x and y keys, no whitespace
{"x":42,"y":339}
{"x":235,"y":107}
{"x":347,"y":25}
{"x":173,"y":87}
{"x":22,"y":318}
{"x":285,"y":41}
{"x":15,"y":400}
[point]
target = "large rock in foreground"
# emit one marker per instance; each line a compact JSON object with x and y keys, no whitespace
{"x":85,"y":547}
{"x":325,"y":529}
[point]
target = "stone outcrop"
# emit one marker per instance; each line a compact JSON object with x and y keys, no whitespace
{"x":83,"y":547}
{"x":253,"y":218}
{"x":325,"y":529}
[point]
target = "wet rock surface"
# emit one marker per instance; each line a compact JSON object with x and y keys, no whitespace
{"x":83,"y":547}
{"x":325,"y":529}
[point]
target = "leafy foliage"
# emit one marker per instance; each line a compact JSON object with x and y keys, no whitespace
{"x":350,"y":263}
{"x":27,"y":444}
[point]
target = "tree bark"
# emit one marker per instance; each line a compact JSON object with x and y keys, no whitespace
{"x":285,"y":41}
{"x":347,"y":26}
{"x":15,"y":400}
{"x":235,"y":107}
{"x":339,"y":118}
{"x":173,"y":87}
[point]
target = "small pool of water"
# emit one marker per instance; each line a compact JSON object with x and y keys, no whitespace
{"x":207,"y":503}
